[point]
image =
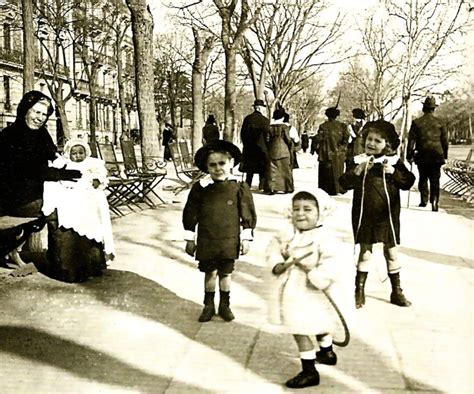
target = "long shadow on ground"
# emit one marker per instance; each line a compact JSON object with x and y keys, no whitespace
{"x":78,"y":359}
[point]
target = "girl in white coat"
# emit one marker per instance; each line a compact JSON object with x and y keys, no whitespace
{"x":303,"y":262}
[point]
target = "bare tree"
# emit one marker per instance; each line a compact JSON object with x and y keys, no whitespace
{"x":380,"y":86}
{"x":202,"y":49}
{"x":290,"y":42}
{"x":234,"y":23}
{"x":426,"y":32}
{"x":142,"y":28}
{"x":56,"y":35}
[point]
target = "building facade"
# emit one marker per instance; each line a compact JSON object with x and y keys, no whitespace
{"x":68,"y":68}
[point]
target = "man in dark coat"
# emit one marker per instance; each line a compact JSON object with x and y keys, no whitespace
{"x":168,"y":137}
{"x":254,"y":151}
{"x":331,"y":145}
{"x":356,"y":146}
{"x":428,"y":148}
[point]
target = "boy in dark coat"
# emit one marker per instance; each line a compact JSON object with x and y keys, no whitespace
{"x":377,"y":176}
{"x":218,"y":207}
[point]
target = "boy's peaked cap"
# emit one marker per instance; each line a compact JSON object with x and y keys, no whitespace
{"x":200,"y":158}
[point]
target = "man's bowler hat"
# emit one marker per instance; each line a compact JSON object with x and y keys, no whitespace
{"x":219,"y":146}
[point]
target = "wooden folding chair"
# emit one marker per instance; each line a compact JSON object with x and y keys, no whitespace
{"x":122,"y":191}
{"x":149,"y":178}
{"x":183,"y":162}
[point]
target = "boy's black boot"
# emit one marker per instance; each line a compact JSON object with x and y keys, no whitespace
{"x":361,"y":277}
{"x":224,"y":306}
{"x":209,"y":309}
{"x":309,"y":376}
{"x":326,"y":356}
{"x":397,"y":297}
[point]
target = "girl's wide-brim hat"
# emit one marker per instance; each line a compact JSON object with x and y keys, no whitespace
{"x":219,"y":146}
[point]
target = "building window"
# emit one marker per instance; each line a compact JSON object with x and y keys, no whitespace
{"x":7,"y":38}
{"x":6,"y":89}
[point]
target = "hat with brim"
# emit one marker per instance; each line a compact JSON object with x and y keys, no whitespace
{"x":219,"y":146}
{"x":430,"y":102}
{"x":332,"y":112}
{"x":259,"y":103}
{"x":358,"y":113}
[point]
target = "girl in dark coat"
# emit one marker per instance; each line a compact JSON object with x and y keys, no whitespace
{"x":218,"y":207}
{"x":377,"y":177}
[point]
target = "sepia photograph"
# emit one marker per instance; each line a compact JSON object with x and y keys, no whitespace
{"x":236,"y":196}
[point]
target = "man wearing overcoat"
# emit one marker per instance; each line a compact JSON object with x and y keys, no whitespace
{"x":428,"y":148}
{"x":254,"y":151}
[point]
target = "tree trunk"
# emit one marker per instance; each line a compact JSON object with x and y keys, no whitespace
{"x":142,"y":28}
{"x":29,"y":46}
{"x":92,"y":122}
{"x":121,"y":91}
{"x":230,"y":94}
{"x":198,"y":105}
{"x":405,"y":127}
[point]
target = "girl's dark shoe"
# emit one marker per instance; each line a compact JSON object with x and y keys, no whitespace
{"x":224,"y":306}
{"x":327,"y":357}
{"x":209,"y":309}
{"x":397,"y":297}
{"x":361,"y":277}
{"x":304,"y":379}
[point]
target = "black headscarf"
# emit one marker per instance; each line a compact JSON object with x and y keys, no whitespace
{"x":30,"y":99}
{"x":24,"y":155}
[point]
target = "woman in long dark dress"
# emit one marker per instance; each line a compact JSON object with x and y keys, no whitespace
{"x":25,"y":149}
{"x":279,"y":168}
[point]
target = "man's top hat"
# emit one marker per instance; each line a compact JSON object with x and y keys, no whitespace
{"x":430,"y":102}
{"x":200,"y":158}
{"x":259,"y":103}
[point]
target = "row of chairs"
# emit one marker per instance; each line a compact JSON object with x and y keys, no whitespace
{"x":183,"y":162}
{"x":461,"y":177}
{"x":129,"y":183}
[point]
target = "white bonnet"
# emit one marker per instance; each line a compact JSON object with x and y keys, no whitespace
{"x":73,"y":142}
{"x":326,"y":204}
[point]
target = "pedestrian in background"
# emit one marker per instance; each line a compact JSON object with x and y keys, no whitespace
{"x":356,"y":142}
{"x":168,"y":137}
{"x":279,"y":174}
{"x":428,"y":148}
{"x":218,"y":207}
{"x":295,"y":141}
{"x":304,"y":141}
{"x":210,"y":131}
{"x":331,"y":144}
{"x":254,"y":150}
{"x":303,"y":261}
{"x":377,"y":176}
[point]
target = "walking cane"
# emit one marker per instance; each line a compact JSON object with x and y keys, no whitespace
{"x":409,"y":190}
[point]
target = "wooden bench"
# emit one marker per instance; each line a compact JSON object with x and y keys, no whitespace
{"x":13,"y":235}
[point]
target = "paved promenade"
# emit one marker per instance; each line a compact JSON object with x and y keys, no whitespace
{"x":135,"y":330}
